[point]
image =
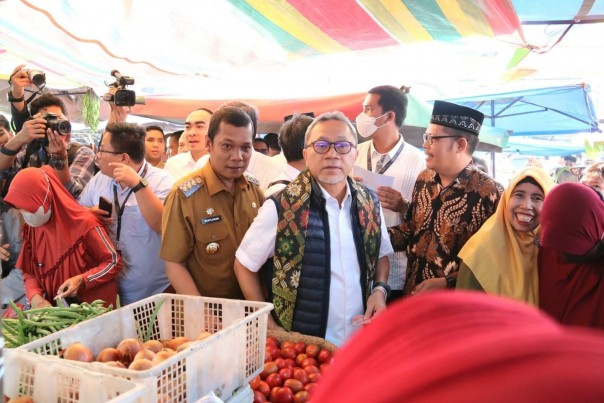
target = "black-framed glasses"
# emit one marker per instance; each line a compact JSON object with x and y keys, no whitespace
{"x":323,"y":146}
{"x":429,"y":139}
{"x":103,"y":151}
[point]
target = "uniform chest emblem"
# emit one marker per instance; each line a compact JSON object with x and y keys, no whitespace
{"x":210,"y":211}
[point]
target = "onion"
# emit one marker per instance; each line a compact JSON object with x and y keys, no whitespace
{"x":162,"y":356}
{"x":144,"y":353}
{"x":185,"y":346}
{"x":21,"y":399}
{"x":203,"y":335}
{"x":78,"y":352}
{"x":117,"y":364}
{"x":175,"y":342}
{"x":140,"y":364}
{"x":153,"y":345}
{"x":109,"y":354}
{"x":129,"y":348}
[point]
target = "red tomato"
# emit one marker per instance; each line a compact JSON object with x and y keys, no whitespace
{"x":312,"y":350}
{"x":300,"y":358}
{"x":274,"y":380}
{"x":294,"y":384}
{"x":301,"y":375}
{"x":313,"y":378}
{"x":272,"y":352}
{"x":310,"y":388}
{"x":310,"y":369}
{"x":324,"y":367}
{"x":288,"y":352}
{"x":255,"y":382}
{"x":324,"y":356}
{"x":289,"y":362}
{"x":286,"y":373}
{"x":287,"y":344}
{"x":273,"y":341}
{"x":264,"y":388}
{"x":309,"y":361}
{"x":267,"y":356}
{"x":300,"y":347}
{"x":273,"y":396}
{"x":259,"y":397}
{"x":301,"y":397}
{"x":285,"y":395}
{"x":269,"y":368}
{"x":280,"y":362}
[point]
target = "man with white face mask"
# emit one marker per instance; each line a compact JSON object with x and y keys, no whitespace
{"x":384,"y":111}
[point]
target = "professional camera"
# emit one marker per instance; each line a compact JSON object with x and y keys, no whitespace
{"x":122,"y":96}
{"x":37,"y":77}
{"x":56,"y":124}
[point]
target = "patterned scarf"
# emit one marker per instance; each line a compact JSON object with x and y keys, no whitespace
{"x":294,"y":203}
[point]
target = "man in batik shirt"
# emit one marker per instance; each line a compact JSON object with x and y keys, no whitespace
{"x":451,"y":200}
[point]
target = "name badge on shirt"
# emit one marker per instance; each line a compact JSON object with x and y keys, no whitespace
{"x":209,"y":220}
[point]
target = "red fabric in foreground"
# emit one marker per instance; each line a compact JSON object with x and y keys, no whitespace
{"x":471,"y":347}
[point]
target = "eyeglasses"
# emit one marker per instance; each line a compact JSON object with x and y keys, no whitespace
{"x":429,"y":139}
{"x":103,"y":151}
{"x":323,"y":146}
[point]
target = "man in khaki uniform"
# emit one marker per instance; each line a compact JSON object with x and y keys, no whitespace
{"x":208,"y":212}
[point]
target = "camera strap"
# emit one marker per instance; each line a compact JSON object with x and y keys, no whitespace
{"x":120,"y":209}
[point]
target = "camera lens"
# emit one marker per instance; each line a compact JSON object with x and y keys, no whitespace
{"x":63,"y":127}
{"x":38,"y":78}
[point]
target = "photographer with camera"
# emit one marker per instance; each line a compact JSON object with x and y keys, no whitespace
{"x":44,"y":139}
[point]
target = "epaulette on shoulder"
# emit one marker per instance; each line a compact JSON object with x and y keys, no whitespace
{"x":251,"y":178}
{"x":191,"y":186}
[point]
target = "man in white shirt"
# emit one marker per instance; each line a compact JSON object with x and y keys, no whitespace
{"x":196,"y":130}
{"x":137,"y":190}
{"x":263,"y":167}
{"x":291,"y":143}
{"x":384,"y":111}
{"x":328,"y":240}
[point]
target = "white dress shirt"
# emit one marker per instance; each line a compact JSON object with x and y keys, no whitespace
{"x":346,"y":299}
{"x":180,"y":165}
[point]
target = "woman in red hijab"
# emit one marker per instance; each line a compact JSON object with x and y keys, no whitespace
{"x":66,"y":251}
{"x":465,"y":347}
{"x":571,"y":259}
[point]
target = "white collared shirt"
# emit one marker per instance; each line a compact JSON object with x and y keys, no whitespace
{"x":346,"y":299}
{"x":180,"y":165}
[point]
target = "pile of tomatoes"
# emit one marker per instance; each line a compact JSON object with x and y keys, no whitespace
{"x":291,"y":371}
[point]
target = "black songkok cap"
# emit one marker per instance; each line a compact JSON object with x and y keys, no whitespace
{"x":457,"y":117}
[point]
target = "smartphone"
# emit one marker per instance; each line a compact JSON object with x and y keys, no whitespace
{"x":105,"y":205}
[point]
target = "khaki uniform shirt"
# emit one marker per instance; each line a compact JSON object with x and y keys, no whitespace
{"x":202,"y":227}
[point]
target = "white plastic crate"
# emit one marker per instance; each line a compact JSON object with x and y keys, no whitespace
{"x":48,"y":380}
{"x":221,"y":363}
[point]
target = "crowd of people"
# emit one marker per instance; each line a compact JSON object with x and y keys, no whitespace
{"x":218,"y":211}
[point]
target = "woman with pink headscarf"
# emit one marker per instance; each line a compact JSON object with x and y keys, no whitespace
{"x":66,"y":250}
{"x":571,"y":259}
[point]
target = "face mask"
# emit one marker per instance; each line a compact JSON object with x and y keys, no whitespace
{"x":366,"y":124}
{"x":38,"y":218}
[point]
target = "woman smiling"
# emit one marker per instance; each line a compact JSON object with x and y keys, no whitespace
{"x":501,"y":258}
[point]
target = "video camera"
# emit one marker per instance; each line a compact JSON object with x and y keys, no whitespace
{"x":56,"y":124}
{"x":122,"y":96}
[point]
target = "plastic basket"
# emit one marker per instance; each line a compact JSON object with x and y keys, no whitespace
{"x":221,"y":363}
{"x":48,"y":380}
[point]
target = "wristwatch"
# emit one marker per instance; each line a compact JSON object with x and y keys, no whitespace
{"x":379,"y":284}
{"x":141,"y":184}
{"x":57,"y":162}
{"x":11,"y":98}
{"x":451,"y":281}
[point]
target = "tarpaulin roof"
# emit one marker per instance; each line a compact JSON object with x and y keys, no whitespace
{"x":294,"y":50}
{"x":542,"y":111}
